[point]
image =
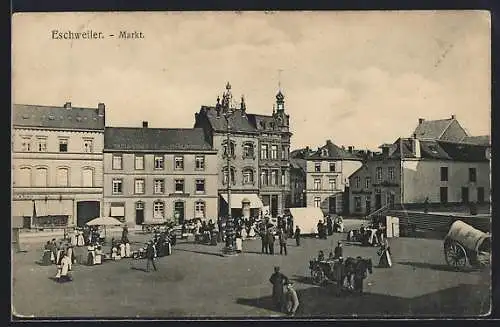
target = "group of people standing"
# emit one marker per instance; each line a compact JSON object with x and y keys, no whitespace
{"x":285,"y":298}
{"x":62,"y":255}
{"x":332,"y":225}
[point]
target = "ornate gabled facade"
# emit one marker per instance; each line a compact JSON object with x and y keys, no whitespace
{"x":259,"y":148}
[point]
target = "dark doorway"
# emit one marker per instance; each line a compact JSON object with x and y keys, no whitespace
{"x":274,"y":206}
{"x":86,"y":211}
{"x":465,"y":194}
{"x":139,"y":213}
{"x":443,"y":194}
{"x":27,"y":222}
{"x":368,"y":206}
{"x":480,"y":194}
{"x":179,"y":211}
{"x":378,"y":201}
{"x":332,"y":205}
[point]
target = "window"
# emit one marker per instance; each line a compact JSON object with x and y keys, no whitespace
{"x":324,"y":152}
{"x":139,"y":186}
{"x":317,"y":184}
{"x":41,"y":177}
{"x":444,"y":174}
{"x":317,"y":202}
{"x":391,"y":173}
{"x":224,"y":176}
{"x":199,"y":209}
{"x":117,"y":186}
{"x":248,"y":176}
{"x":274,"y":177}
{"x":179,"y":162}
{"x":158,"y":210}
{"x":357,"y":181}
{"x":62,"y":177}
{"x":379,"y":174}
{"x":283,"y":177}
{"x":139,"y":162}
{"x":159,"y":186}
{"x":200,"y":186}
{"x":231,"y":149}
{"x":317,"y":167}
{"x":117,"y":161}
{"x":179,"y":186}
{"x":264,"y":151}
{"x":332,"y":167}
{"x":472,"y":175}
{"x":357,"y":203}
{"x":248,"y":150}
{"x":264,"y":178}
{"x":42,"y":144}
{"x":274,"y":152}
{"x":368,"y":182}
{"x":87,"y":146}
{"x":24,"y":177}
{"x":159,"y":161}
{"x":63,"y":145}
{"x":26,"y":144}
{"x":443,"y":194}
{"x":284,"y":153}
{"x":332,"y":182}
{"x":199,"y":162}
{"x":87,"y":177}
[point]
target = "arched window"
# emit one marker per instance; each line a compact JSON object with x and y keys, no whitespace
{"x":248,"y":150}
{"x":232,"y":146}
{"x":199,"y":209}
{"x":248,"y":176}
{"x":62,"y":176}
{"x":24,"y":177}
{"x":233,"y":177}
{"x":88,"y":177}
{"x":41,"y":177}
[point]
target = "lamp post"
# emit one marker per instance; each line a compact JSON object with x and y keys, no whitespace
{"x":230,"y":247}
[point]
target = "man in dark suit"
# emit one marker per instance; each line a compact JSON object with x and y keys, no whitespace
{"x":150,"y":256}
{"x":283,"y":238}
{"x":263,"y":237}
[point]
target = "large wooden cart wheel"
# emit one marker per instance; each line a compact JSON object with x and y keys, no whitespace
{"x":455,"y":255}
{"x":318,"y":277}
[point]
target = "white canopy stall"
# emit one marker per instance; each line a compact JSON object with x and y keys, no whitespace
{"x":307,"y":219}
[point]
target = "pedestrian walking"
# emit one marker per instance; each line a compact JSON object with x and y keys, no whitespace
{"x":283,"y":239}
{"x":291,"y":299}
{"x":264,"y":239}
{"x":270,"y":241}
{"x":297,"y":235}
{"x":278,"y":280}
{"x":150,"y":256}
{"x":338,"y":251}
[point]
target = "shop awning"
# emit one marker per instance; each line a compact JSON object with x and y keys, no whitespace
{"x":237,"y":199}
{"x":22,"y":208}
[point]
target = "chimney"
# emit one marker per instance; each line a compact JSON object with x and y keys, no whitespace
{"x":420,"y":121}
{"x":415,"y":146}
{"x":101,"y":107}
{"x":385,"y":151}
{"x":144,"y":124}
{"x":453,"y":116}
{"x":350,"y":148}
{"x":67,"y":105}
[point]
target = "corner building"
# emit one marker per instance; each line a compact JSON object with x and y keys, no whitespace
{"x":159,"y":174}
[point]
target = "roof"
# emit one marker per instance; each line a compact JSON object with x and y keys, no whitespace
{"x":154,"y":139}
{"x":333,"y":152}
{"x":237,"y":121}
{"x":262,"y":122}
{"x":432,"y":129}
{"x":479,"y":140}
{"x":53,"y":117}
{"x":297,"y":163}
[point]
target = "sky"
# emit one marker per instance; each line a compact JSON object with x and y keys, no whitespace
{"x":355,"y":78}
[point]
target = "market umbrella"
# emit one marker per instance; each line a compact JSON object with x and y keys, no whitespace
{"x":104,"y":221}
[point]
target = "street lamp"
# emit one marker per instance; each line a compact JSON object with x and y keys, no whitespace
{"x":230,"y":233}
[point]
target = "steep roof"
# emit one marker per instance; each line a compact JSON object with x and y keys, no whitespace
{"x":463,"y":151}
{"x":479,"y":140}
{"x":432,"y":129}
{"x":297,"y":163}
{"x":333,"y":152}
{"x":262,"y":122}
{"x":154,"y":139}
{"x":53,"y":117}
{"x":238,"y":121}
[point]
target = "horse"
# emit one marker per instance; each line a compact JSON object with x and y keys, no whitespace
{"x":356,"y":270}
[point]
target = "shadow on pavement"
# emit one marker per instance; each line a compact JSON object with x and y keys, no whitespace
{"x":137,"y":268}
{"x":427,"y":265}
{"x":201,"y":252}
{"x":302,"y":279}
{"x":461,"y":301}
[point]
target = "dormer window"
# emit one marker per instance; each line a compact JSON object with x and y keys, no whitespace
{"x":324,"y":152}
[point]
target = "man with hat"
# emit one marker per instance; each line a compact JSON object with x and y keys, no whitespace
{"x":338,"y":251}
{"x":150,"y":256}
{"x":292,"y":299}
{"x":278,"y":280}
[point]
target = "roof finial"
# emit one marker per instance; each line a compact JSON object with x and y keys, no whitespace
{"x":228,"y":86}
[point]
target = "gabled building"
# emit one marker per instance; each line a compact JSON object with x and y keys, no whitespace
{"x":411,"y":170}
{"x":327,"y":173}
{"x":258,"y":152}
{"x":441,"y":129}
{"x":57,"y":164}
{"x":159,"y":174}
{"x":298,"y":176}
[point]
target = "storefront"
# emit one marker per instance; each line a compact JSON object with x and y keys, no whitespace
{"x":242,"y":205}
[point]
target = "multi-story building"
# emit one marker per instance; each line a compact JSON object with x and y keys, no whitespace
{"x":259,"y":154}
{"x":327,"y":172}
{"x":57,"y":164}
{"x":298,"y":177}
{"x":159,"y":174}
{"x":411,"y":170}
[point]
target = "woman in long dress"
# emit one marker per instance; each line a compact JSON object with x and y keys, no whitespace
{"x":80,"y":239}
{"x":91,"y":255}
{"x":65,"y":268}
{"x":122,"y":250}
{"x":385,"y":255}
{"x":127,"y":250}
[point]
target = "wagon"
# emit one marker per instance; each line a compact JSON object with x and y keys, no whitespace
{"x":325,"y":271}
{"x":466,"y":246}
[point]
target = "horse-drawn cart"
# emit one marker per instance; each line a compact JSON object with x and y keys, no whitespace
{"x":326,"y":271}
{"x":466,"y":246}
